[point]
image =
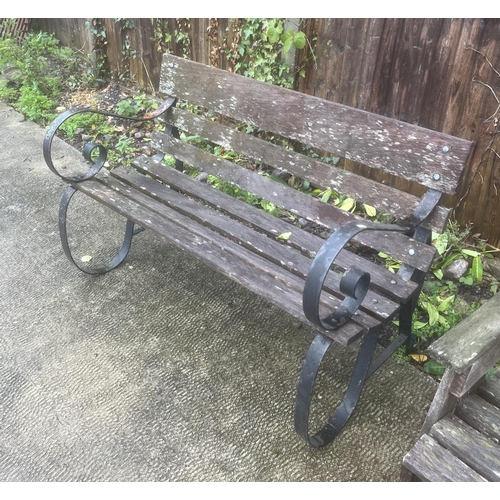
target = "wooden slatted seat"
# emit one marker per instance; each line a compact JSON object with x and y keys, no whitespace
{"x":460,"y":438}
{"x":335,"y":285}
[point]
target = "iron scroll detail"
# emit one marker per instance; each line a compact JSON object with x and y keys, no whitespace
{"x":89,"y":147}
{"x":354,"y":284}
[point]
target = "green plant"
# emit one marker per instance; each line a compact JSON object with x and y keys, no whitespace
{"x":35,"y":105}
{"x":258,"y":54}
{"x":457,"y":243}
{"x":41,"y":65}
{"x":124,"y":145}
{"x":91,"y":123}
{"x":135,"y":106}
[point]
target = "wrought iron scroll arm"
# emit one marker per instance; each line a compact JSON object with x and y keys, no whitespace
{"x":89,"y":147}
{"x":354,"y":283}
{"x":424,"y":209}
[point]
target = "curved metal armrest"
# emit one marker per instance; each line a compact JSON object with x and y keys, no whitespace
{"x":89,"y":147}
{"x":354,"y":284}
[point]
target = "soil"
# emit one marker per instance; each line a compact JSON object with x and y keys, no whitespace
{"x":106,"y":99}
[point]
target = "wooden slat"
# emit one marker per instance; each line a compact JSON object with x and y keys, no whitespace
{"x":234,"y":261}
{"x":392,"y":243}
{"x":481,"y":415}
{"x":490,"y":390}
{"x":402,"y":149}
{"x":383,"y":197}
{"x":307,"y":243}
{"x":469,"y":445}
{"x":259,"y":243}
{"x":429,"y":461}
{"x":225,"y":227}
{"x":475,"y":337}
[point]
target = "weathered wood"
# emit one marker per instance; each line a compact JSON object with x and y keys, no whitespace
{"x":234,"y":261}
{"x":429,"y":461}
{"x":476,"y":373}
{"x":382,"y":197}
{"x":474,"y":337}
{"x":428,"y":158}
{"x":392,"y":243}
{"x":443,"y":402}
{"x":469,"y":445}
{"x":481,"y":415}
{"x":255,"y":241}
{"x":490,"y":390}
{"x":261,"y":249}
{"x":391,"y":284}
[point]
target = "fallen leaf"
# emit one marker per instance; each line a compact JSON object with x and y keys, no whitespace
{"x":419,"y":358}
{"x":284,"y":236}
{"x":86,"y":258}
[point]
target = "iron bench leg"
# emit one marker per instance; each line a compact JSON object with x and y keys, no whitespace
{"x":308,"y":375}
{"x":119,"y":257}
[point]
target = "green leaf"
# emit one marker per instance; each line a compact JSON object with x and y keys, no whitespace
{"x":284,"y":236}
{"x":467,"y":281}
{"x":433,"y":313}
{"x":434,"y":368}
{"x":299,"y":40}
{"x":445,"y":303}
{"x":477,"y":269}
{"x":287,"y":35}
{"x":370,"y":211}
{"x":86,"y":258}
{"x":326,"y":195}
{"x":494,"y":288}
{"x":418,"y":325}
{"x":438,"y":273}
{"x":347,"y":204}
{"x":273,"y":35}
{"x":471,"y":253}
{"x":440,"y":241}
{"x":287,"y":45}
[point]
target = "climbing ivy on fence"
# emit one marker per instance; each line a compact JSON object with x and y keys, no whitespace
{"x":258,"y":48}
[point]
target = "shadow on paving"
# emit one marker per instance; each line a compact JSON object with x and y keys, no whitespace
{"x":162,"y":370}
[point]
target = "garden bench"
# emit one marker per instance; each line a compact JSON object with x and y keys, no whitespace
{"x":335,"y":285}
{"x":460,"y":438}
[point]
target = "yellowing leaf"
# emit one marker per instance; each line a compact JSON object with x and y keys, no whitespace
{"x":419,"y":358}
{"x":284,"y":236}
{"x":347,"y":204}
{"x":370,"y":211}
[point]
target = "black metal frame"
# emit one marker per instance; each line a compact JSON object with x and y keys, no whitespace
{"x":354,"y":285}
{"x":97,"y":164}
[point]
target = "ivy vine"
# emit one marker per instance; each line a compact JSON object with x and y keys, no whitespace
{"x":258,"y":47}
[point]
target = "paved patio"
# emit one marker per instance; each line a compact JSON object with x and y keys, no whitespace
{"x":162,"y":370}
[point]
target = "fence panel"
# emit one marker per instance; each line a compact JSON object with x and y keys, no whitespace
{"x":438,"y":73}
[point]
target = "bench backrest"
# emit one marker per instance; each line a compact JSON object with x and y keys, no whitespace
{"x":432,"y":159}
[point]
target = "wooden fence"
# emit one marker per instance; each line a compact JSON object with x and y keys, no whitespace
{"x":442,"y":74}
{"x":16,"y":28}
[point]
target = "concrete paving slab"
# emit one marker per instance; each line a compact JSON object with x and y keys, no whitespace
{"x":162,"y":370}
